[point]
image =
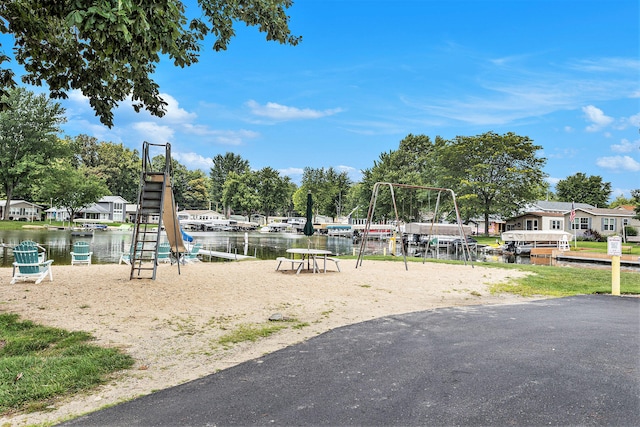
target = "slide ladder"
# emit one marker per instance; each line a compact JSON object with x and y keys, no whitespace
{"x":156,"y":209}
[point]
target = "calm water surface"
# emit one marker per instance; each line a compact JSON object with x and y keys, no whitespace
{"x":107,"y":246}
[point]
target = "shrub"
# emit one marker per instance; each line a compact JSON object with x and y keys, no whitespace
{"x":593,"y":235}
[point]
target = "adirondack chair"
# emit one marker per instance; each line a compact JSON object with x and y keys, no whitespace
{"x":164,"y":253}
{"x":30,"y":244}
{"x":27,"y":266}
{"x":81,"y":253}
{"x":126,"y":256}
{"x":192,"y":255}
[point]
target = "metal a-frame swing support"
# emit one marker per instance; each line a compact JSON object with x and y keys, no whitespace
{"x":156,"y":205}
{"x":372,"y":206}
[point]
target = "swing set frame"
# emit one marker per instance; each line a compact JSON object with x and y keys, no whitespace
{"x":466,"y":252}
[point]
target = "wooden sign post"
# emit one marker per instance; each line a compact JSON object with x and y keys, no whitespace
{"x":614,"y":248}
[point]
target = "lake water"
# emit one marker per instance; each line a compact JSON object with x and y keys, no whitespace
{"x":107,"y":246}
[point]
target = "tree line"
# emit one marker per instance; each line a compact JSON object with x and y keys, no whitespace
{"x":491,"y":174}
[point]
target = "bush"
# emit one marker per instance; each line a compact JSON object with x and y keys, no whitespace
{"x":593,"y":235}
{"x":630,"y":231}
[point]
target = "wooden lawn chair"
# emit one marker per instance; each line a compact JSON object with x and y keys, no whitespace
{"x":192,"y":255}
{"x":126,"y":257}
{"x":164,"y":253}
{"x":81,"y":253}
{"x":30,"y":244}
{"x":27,"y":266}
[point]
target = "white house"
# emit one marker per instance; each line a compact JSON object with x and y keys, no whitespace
{"x":21,"y":210}
{"x":543,"y":215}
{"x":107,"y":209}
{"x":199,"y":215}
{"x":606,"y":222}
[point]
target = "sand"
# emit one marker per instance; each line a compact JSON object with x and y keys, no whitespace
{"x":171,"y":326}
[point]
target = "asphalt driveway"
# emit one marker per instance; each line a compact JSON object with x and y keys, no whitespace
{"x":568,"y":361}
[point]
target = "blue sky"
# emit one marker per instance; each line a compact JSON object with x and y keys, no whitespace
{"x":368,"y":73}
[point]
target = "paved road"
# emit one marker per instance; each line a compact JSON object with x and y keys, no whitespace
{"x":569,"y":361}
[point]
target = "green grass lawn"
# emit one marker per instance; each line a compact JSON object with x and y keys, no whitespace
{"x":38,"y":364}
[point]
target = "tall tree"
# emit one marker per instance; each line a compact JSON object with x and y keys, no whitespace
{"x":72,"y":188}
{"x":491,"y":173}
{"x":28,"y":138}
{"x":190,"y":188}
{"x":327,"y":187}
{"x":413,"y":163}
{"x":120,"y":167}
{"x":273,"y":191}
{"x":179,"y":175}
{"x":635,"y":196}
{"x":239,"y":194}
{"x":620,"y":200}
{"x":222,"y":167}
{"x":196,"y":191}
{"x":109,"y":50}
{"x":584,"y":189}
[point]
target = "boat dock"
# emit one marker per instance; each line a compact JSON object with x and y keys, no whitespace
{"x":549,"y":256}
{"x":224,"y":255}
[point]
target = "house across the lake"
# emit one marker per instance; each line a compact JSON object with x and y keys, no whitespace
{"x":21,"y":210}
{"x":606,"y":222}
{"x":107,"y":209}
{"x":555,"y":216}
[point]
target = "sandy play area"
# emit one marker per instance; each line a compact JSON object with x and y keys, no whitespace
{"x":172,"y":325}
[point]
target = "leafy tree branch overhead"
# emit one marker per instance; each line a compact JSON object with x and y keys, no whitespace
{"x":109,"y":49}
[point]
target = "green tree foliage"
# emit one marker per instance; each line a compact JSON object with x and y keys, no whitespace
{"x":581,"y":188}
{"x":222,"y":167}
{"x":109,"y":49}
{"x":190,"y":187}
{"x":413,"y":163}
{"x":28,"y":139}
{"x":239,"y":193}
{"x":116,"y":165}
{"x":491,"y":173}
{"x":620,"y":200}
{"x":273,"y":190}
{"x":196,"y":191}
{"x":635,"y":196}
{"x":328,"y":188}
{"x":72,"y":188}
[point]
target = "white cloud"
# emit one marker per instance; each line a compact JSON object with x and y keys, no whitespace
{"x":291,"y":171}
{"x":174,"y":113}
{"x":619,"y":163}
{"x":354,"y":174}
{"x":282,"y":112}
{"x":597,"y":118}
{"x":607,"y":65}
{"x":625,"y":146}
{"x":154,"y":132}
{"x":634,"y":120}
{"x":553,"y":181}
{"x":77,"y":97}
{"x":225,"y":137}
{"x":193,"y":160}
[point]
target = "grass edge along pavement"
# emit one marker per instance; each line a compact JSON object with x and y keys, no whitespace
{"x":39,"y":364}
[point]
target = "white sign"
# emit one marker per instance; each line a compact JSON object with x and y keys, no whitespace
{"x":614,"y":245}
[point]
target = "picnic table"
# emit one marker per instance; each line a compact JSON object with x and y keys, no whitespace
{"x":310,"y":256}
